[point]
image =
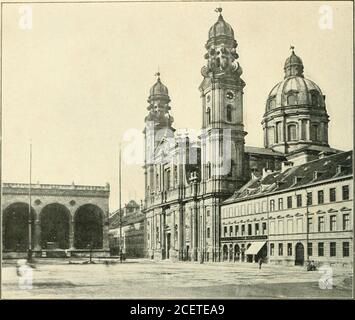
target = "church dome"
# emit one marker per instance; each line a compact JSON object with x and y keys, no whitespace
{"x":295,"y":89}
{"x":159,"y":92}
{"x":295,"y":115}
{"x":221,"y":28}
{"x":159,"y":89}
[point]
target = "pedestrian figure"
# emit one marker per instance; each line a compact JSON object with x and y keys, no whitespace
{"x":260,"y":262}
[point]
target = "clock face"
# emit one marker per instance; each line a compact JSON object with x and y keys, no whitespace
{"x":230,"y":95}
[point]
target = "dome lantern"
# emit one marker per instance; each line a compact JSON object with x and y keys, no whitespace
{"x":293,"y":65}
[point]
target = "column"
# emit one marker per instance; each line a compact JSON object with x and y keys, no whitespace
{"x":180,"y":232}
{"x":37,"y":235}
{"x":71,"y":229}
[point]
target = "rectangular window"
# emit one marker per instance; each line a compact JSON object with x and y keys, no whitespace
{"x":289,"y":249}
{"x":264,"y":227}
{"x":346,"y":250}
{"x":256,"y":228}
{"x":208,"y":213}
{"x":289,"y":226}
{"x":321,"y":224}
{"x":289,"y":202}
{"x":272,"y":249}
{"x":243,"y":229}
{"x":236,"y":230}
{"x":225,"y":231}
{"x":320,"y":197}
{"x":249,"y":229}
{"x":309,"y":198}
{"x":299,"y":200}
{"x":281,"y":204}
{"x":280,"y":249}
{"x":281,"y":227}
{"x":272,"y":205}
{"x":333,"y":249}
{"x":310,"y":224}
{"x":332,"y":195}
{"x":345,"y":191}
{"x":346,"y":221}
{"x":310,"y":248}
{"x":272,"y":227}
{"x":320,"y":249}
{"x":333,"y":223}
{"x":299,"y":225}
{"x":231,"y":231}
{"x":208,"y":232}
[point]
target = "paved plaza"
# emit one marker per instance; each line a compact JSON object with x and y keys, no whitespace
{"x":147,"y":279}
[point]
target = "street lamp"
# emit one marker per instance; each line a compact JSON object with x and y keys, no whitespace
{"x":29,"y":253}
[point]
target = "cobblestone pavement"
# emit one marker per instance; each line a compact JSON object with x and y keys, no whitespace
{"x":147,"y":279}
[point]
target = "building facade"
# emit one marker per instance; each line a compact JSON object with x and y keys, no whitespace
{"x":290,"y":216}
{"x":188,"y":180}
{"x":133,"y":231}
{"x":65,"y":220}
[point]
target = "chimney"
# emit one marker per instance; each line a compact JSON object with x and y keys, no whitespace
{"x":266,"y":172}
{"x":285,"y":165}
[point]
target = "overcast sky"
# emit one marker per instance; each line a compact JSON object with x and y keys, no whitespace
{"x":80,"y":78}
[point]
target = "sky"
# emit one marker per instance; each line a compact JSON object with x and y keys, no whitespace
{"x":76,"y":84}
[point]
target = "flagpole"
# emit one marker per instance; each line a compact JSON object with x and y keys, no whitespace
{"x":29,"y":210}
{"x":119,"y":197}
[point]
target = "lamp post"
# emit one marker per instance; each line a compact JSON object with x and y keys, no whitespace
{"x":119,"y":197}
{"x":29,"y":253}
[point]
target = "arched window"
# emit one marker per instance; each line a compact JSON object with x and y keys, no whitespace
{"x":209,"y":170}
{"x":315,"y":134}
{"x":292,"y":99}
{"x":229,"y":113}
{"x":208,"y":111}
{"x":278,"y":132}
{"x":292,"y":132}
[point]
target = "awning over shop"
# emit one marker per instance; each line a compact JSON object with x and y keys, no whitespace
{"x":255,"y":247}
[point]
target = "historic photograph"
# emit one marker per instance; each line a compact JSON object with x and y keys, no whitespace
{"x":159,"y":150}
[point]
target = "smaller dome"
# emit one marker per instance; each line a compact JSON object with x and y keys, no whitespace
{"x":221,"y":28}
{"x":293,"y":65}
{"x":293,"y":59}
{"x":159,"y":89}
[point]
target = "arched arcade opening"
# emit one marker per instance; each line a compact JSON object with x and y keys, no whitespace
{"x":88,"y":227}
{"x":55,"y":219}
{"x":16,"y":227}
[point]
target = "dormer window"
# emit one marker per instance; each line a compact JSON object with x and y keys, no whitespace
{"x":292,"y":98}
{"x":271,"y":104}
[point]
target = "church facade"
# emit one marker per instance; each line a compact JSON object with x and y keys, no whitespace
{"x":187,"y":180}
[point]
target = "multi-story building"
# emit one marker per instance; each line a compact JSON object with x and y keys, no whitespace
{"x":187,"y":180}
{"x":133,"y":242}
{"x":299,"y":213}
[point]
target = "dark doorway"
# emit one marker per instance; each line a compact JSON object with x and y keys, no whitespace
{"x":187,"y":253}
{"x":55,"y":219}
{"x":299,"y":260}
{"x":16,"y":227}
{"x":225,"y":253}
{"x":168,"y":238}
{"x":88,"y":229}
{"x":236,"y":253}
